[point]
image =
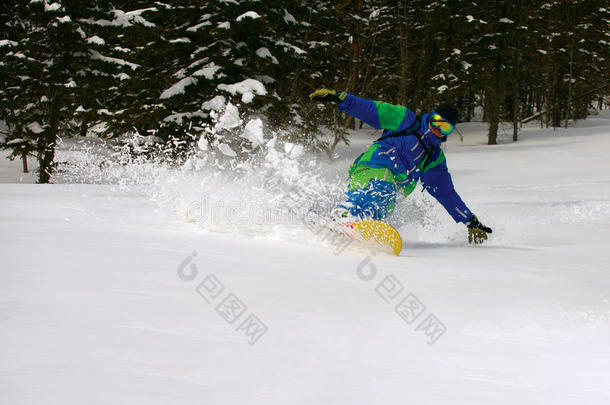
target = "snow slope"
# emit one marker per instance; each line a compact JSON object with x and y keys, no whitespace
{"x":107,"y":297}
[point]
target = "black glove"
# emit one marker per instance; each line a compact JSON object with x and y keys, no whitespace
{"x":327,"y":96}
{"x":477,"y":232}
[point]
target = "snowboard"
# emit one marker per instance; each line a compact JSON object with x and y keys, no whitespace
{"x":374,"y":233}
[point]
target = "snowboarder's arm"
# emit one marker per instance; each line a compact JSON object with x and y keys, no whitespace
{"x":377,"y":114}
{"x":437,"y":181}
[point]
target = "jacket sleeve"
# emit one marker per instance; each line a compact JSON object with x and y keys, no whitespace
{"x":377,"y":114}
{"x":437,"y":181}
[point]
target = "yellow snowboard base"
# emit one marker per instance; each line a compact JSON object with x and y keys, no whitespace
{"x":374,"y":233}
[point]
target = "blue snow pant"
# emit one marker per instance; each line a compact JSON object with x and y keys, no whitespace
{"x":374,"y":200}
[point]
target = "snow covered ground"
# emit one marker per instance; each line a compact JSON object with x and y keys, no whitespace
{"x":107,"y":296}
{"x":11,"y":171}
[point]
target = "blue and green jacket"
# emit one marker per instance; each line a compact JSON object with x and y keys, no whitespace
{"x":405,"y":156}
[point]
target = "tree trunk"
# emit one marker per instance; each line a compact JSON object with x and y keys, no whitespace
{"x":83,"y":128}
{"x":339,"y":132}
{"x":556,"y":114}
{"x":516,"y":117}
{"x":517,"y":107}
{"x":352,"y":79}
{"x":403,"y":52}
{"x":46,"y":145}
{"x":364,"y":82}
{"x":516,"y":96}
{"x":46,"y":156}
{"x":24,"y":160}
{"x":355,"y":60}
{"x":570,"y":82}
{"x":491,"y":104}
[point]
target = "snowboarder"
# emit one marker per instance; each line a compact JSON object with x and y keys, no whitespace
{"x":408,"y":151}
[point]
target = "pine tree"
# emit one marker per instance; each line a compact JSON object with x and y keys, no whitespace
{"x":131,"y":36}
{"x":104,"y":69}
{"x":38,"y":97}
{"x":165,"y":69}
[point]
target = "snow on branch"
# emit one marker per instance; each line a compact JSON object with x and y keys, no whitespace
{"x":124,"y":19}
{"x":6,"y":42}
{"x":208,"y":71}
{"x":250,"y":14}
{"x":247,"y":88}
{"x":286,"y":46}
{"x":178,"y":88}
{"x":264,"y":53}
{"x":52,"y":7}
{"x":194,"y":28}
{"x":289,"y":18}
{"x":96,"y":40}
{"x":98,"y":56}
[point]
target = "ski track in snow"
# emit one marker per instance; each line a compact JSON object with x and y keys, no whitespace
{"x":112,"y":293}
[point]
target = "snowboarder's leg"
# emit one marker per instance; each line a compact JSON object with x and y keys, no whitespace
{"x":371,"y":195}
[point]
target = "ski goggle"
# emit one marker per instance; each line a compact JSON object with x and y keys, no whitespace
{"x":437,"y":121}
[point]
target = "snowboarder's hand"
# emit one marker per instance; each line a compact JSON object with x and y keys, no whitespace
{"x":327,"y":96}
{"x":477,"y":232}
